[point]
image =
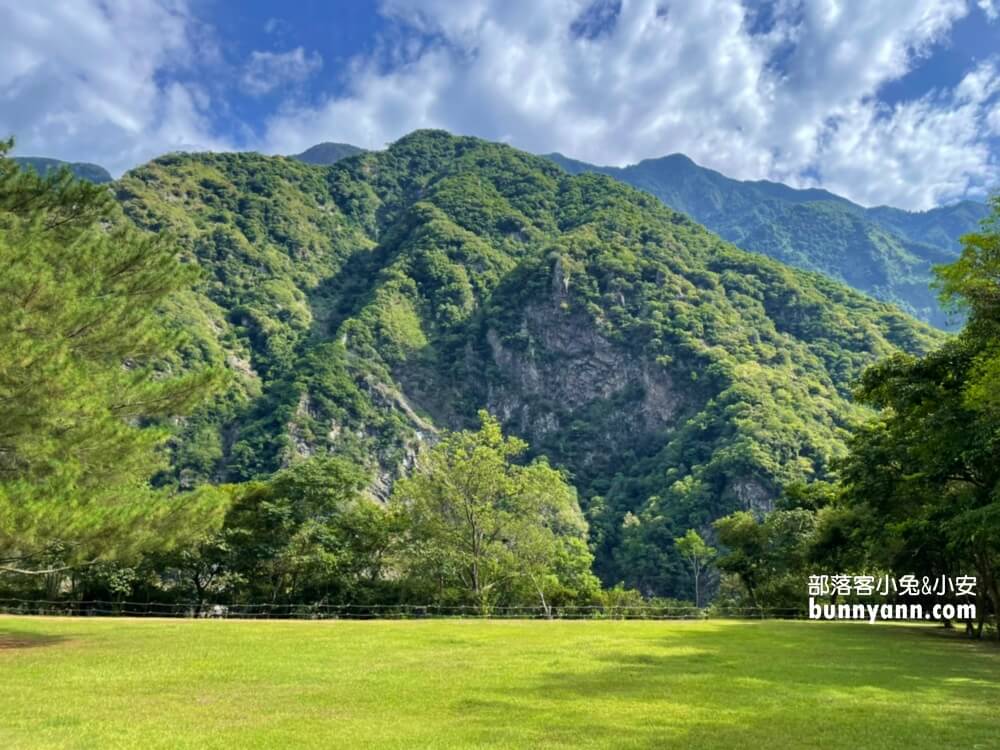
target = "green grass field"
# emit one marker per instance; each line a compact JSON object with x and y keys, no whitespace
{"x":79,"y":683}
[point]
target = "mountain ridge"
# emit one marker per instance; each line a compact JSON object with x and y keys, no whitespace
{"x":883,"y":251}
{"x":83,"y":170}
{"x":362,"y":306}
{"x":804,"y":195}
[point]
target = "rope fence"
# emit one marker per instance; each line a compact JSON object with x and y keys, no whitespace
{"x":381,"y":611}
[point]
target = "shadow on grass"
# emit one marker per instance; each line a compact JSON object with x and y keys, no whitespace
{"x":12,"y":640}
{"x":787,"y":684}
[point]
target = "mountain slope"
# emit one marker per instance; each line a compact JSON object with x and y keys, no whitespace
{"x":83,"y":170}
{"x":885,"y":252}
{"x":940,"y":226}
{"x":325,"y":154}
{"x":363,"y":306}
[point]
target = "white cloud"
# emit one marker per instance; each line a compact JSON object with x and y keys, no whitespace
{"x":83,"y":80}
{"x":276,"y":26}
{"x":788,"y":91}
{"x":933,"y":147}
{"x":784,"y":102}
{"x":993,"y":120}
{"x":267,"y":71}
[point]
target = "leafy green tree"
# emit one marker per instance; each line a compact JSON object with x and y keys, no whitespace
{"x":972,"y":285}
{"x":86,"y":384}
{"x":698,"y":555}
{"x":925,"y":476}
{"x":309,"y":535}
{"x":770,"y":555}
{"x":483,"y":528}
{"x":920,"y":487}
{"x":197,"y":572}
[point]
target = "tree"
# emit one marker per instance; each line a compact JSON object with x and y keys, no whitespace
{"x":482,"y":528}
{"x":310,"y":534}
{"x":925,"y":476}
{"x":972,"y":284}
{"x":770,"y":555}
{"x":197,"y":571}
{"x":86,"y":383}
{"x":698,"y":555}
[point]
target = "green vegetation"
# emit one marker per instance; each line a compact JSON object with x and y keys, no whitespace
{"x":307,"y":535}
{"x":773,"y":556}
{"x":885,"y":252}
{"x":479,"y":527}
{"x":919,"y":489}
{"x":471,"y":527}
{"x":161,"y":684}
{"x":929,"y":469}
{"x":88,"y":373}
{"x":698,"y":555}
{"x":363,"y":307}
{"x":650,"y":377}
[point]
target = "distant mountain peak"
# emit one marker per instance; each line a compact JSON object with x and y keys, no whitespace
{"x":83,"y":170}
{"x":883,"y":251}
{"x":675,"y":158}
{"x":328,"y":152}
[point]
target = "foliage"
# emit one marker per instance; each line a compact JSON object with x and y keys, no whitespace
{"x":87,"y":377}
{"x":972,"y":285}
{"x":924,"y":479}
{"x":769,"y":555}
{"x":698,"y":555}
{"x":478,"y":527}
{"x":362,"y":307}
{"x":920,"y":488}
{"x":309,"y":535}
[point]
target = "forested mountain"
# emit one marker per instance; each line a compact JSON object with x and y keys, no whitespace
{"x":83,"y":170}
{"x":361,"y":307}
{"x":325,"y":154}
{"x":883,"y":251}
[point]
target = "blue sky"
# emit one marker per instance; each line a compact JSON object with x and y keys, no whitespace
{"x":891,"y":102}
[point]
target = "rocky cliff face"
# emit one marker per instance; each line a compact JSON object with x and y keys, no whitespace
{"x":363,"y":307}
{"x":567,"y":367}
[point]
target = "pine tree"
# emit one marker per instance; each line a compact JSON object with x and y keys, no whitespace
{"x":85,"y":391}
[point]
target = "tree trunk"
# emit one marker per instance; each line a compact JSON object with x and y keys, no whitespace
{"x":541,"y":594}
{"x":992,"y":589}
{"x":199,"y":594}
{"x":697,"y":592}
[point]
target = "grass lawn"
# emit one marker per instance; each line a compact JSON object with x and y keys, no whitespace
{"x":442,"y":684}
